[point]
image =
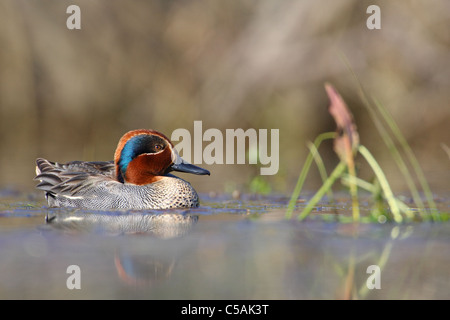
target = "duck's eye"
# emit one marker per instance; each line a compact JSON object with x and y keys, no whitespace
{"x":158,"y":147}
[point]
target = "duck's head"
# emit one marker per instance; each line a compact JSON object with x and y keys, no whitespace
{"x":145,"y":156}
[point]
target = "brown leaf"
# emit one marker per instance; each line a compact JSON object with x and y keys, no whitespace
{"x":347,"y":139}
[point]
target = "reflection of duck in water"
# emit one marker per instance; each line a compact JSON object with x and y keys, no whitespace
{"x":160,"y":224}
{"x":138,"y":178}
{"x":135,"y":265}
{"x":143,"y":270}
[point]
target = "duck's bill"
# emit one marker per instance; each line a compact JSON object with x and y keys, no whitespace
{"x":179,"y":164}
{"x":189,"y":168}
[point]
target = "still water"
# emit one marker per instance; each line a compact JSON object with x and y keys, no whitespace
{"x":226,"y":249}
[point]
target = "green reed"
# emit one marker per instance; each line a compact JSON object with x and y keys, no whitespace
{"x":380,"y":188}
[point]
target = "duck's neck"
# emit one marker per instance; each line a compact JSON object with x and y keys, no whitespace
{"x":140,"y":178}
{"x":138,"y":172}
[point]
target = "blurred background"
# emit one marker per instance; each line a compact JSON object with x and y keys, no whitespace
{"x":71,"y":94}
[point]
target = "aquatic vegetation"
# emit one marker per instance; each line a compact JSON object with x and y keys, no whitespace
{"x":347,"y":146}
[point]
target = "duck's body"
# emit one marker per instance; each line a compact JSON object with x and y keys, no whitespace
{"x":138,"y":178}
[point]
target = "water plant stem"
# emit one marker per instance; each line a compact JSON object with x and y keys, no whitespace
{"x":392,"y":148}
{"x":321,"y":167}
{"x":411,"y":157}
{"x":372,"y":189}
{"x":337,"y":172}
{"x":301,"y":178}
{"x":354,"y":191}
{"x":383,"y":183}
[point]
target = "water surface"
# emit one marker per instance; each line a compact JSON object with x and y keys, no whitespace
{"x":226,"y":249}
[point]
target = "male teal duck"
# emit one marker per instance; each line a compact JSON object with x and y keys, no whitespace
{"x":138,"y":178}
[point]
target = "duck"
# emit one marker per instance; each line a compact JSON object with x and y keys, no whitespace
{"x":139,"y":177}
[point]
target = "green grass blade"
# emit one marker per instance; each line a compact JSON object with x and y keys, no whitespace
{"x":395,"y":154}
{"x":337,"y":172}
{"x":360,"y":182}
{"x":411,"y":157}
{"x":321,"y":168}
{"x":372,"y":189}
{"x":387,"y":140}
{"x":304,"y":173}
{"x":383,"y":183}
